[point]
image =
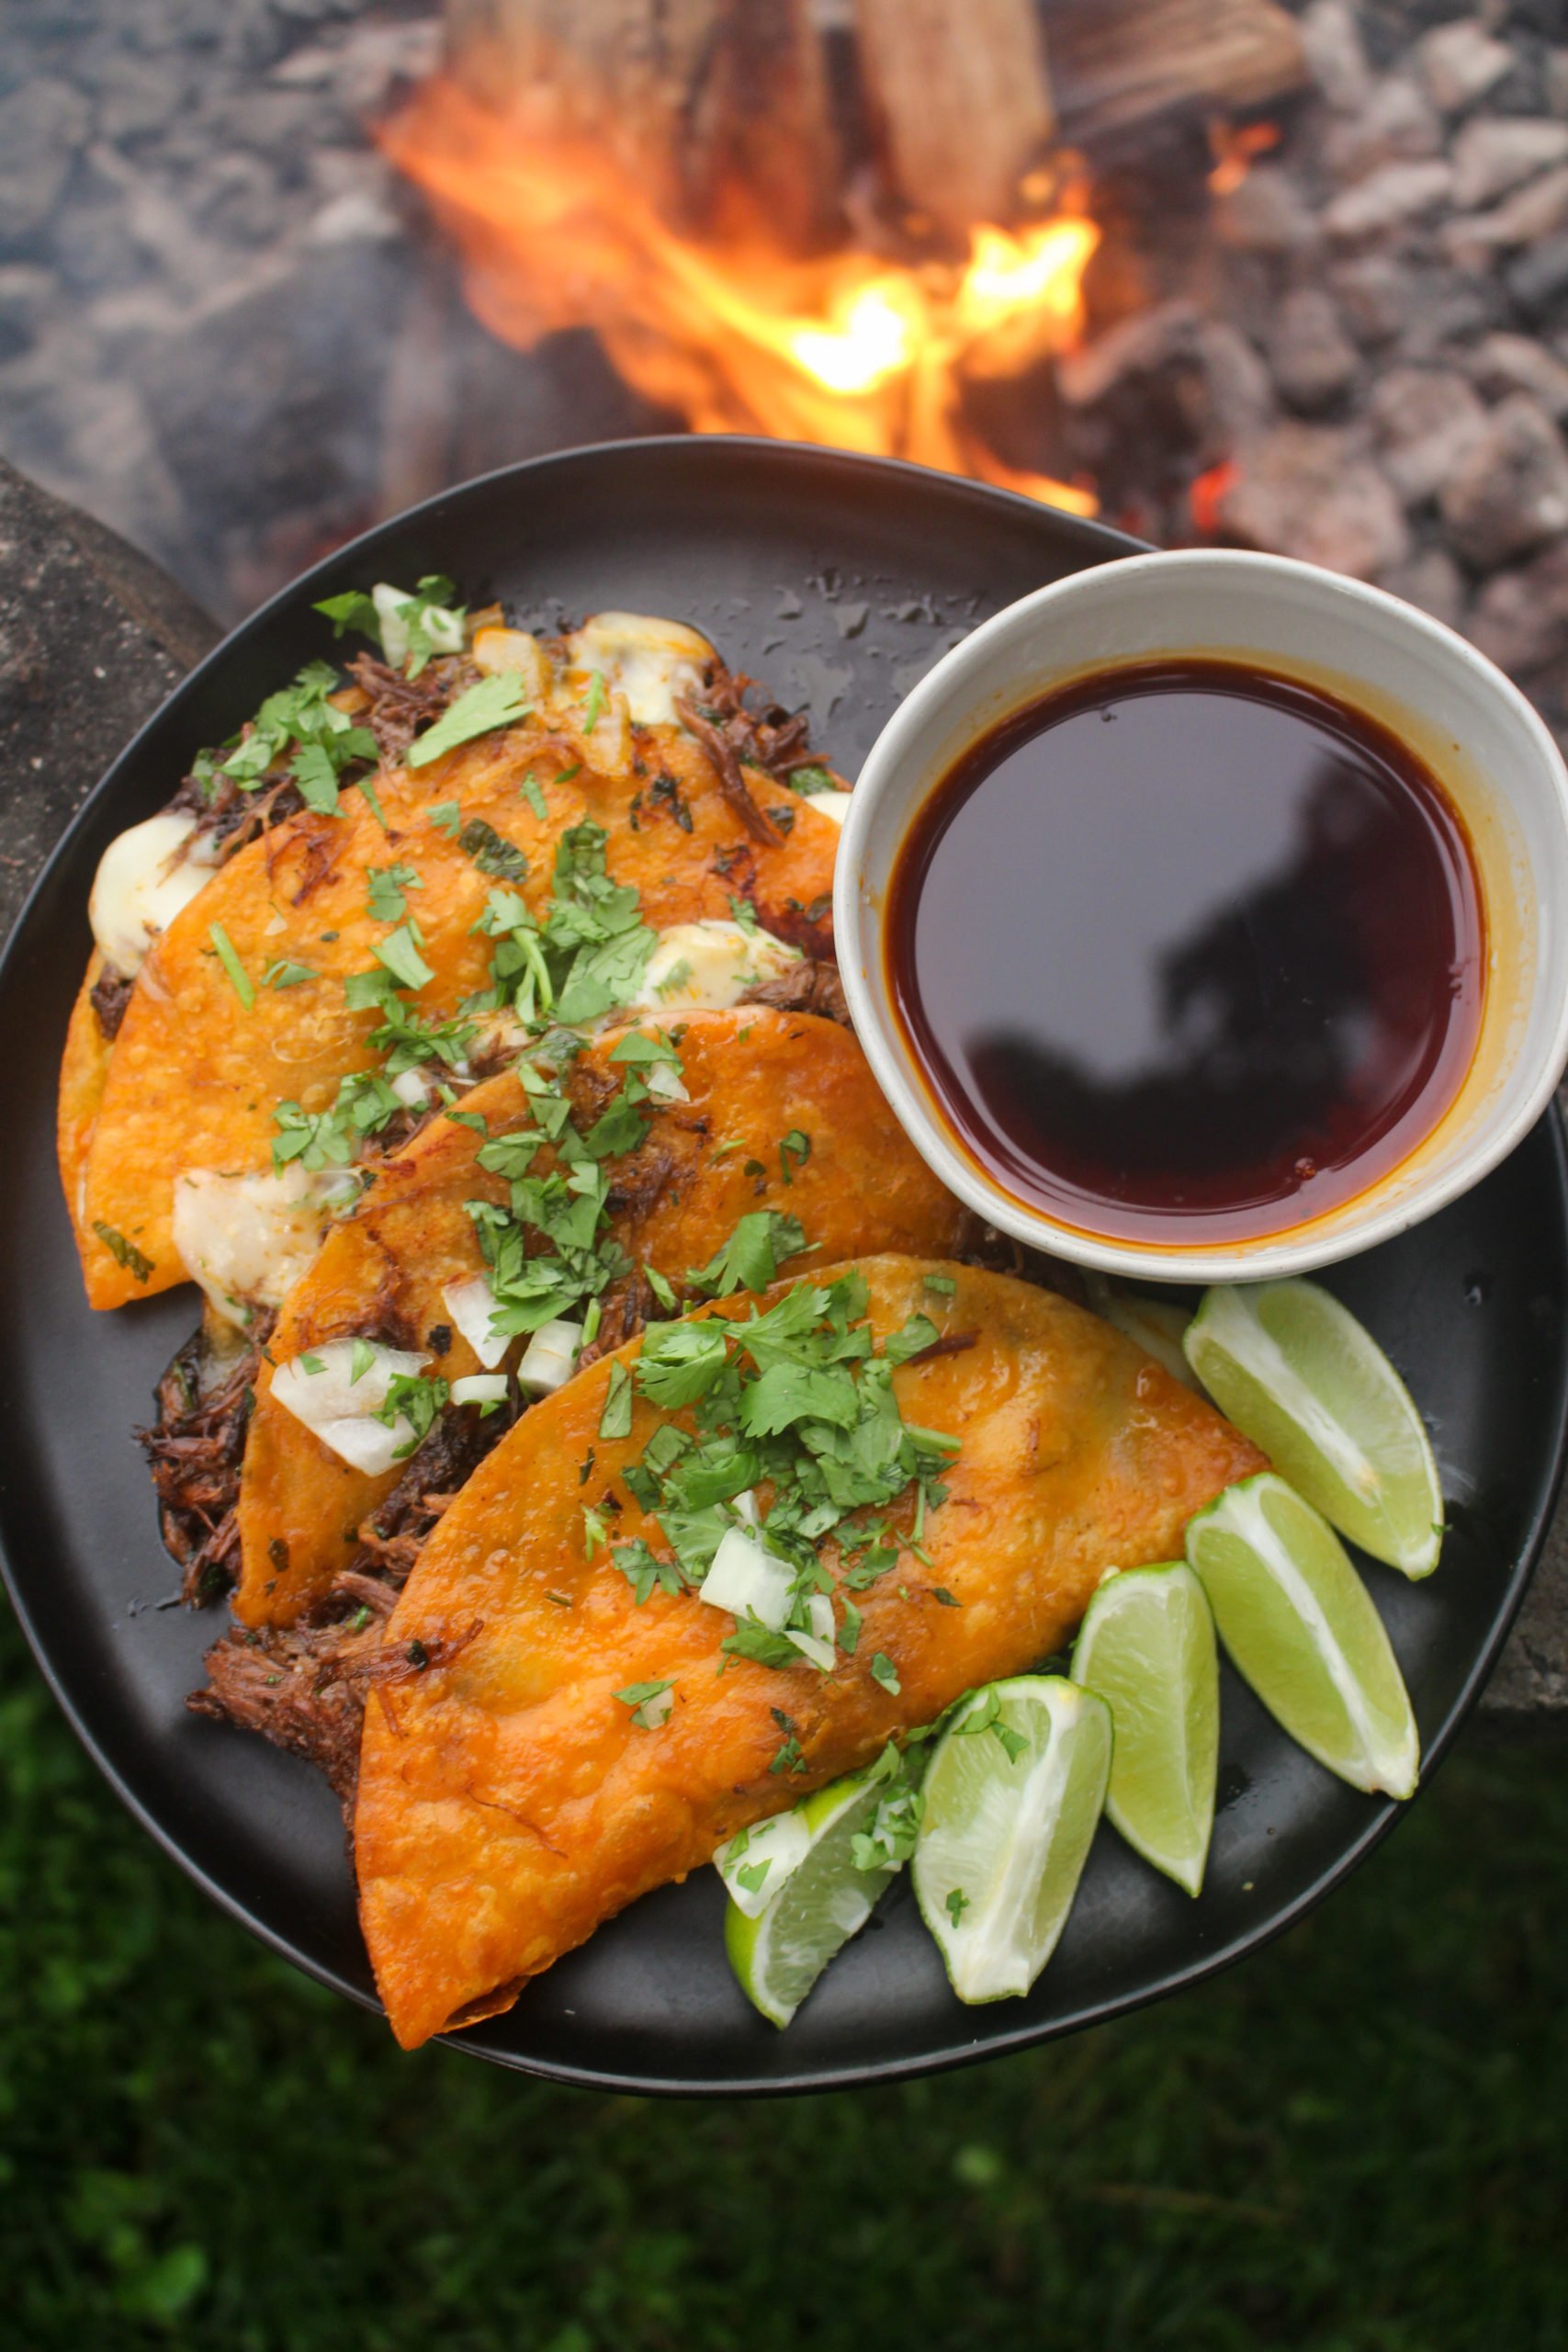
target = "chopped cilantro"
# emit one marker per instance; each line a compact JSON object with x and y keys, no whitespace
{"x":753,"y":1875}
{"x":988,"y":1716}
{"x":883,"y":1671}
{"x":446,"y":815}
{"x":529,"y":788}
{"x":593,"y":707}
{"x":809,"y":780}
{"x":492,"y":852}
{"x":239,"y":978}
{"x":948,"y":1600}
{"x":285,"y":974}
{"x":615,"y":1421}
{"x":644,"y":1572}
{"x":745,"y":914}
{"x":674,"y":979}
{"x":943,"y":1283}
{"x":595,"y":1534}
{"x":649,"y":1702}
{"x":795,"y":1150}
{"x":956,"y":1904}
{"x":124,"y":1253}
{"x":662,"y":1291}
{"x":399,"y":952}
{"x":750,"y":1259}
{"x":496,"y":701}
{"x":419,"y":1400}
{"x":388,"y":887}
{"x":360,"y":1361}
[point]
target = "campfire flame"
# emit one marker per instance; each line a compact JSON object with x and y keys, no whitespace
{"x":851,"y":350}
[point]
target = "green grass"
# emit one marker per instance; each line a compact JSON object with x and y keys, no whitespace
{"x":1358,"y":2142}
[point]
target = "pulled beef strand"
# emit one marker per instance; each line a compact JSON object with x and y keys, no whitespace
{"x":399,"y":709}
{"x":194,"y":1449}
{"x":716,"y":743}
{"x":109,"y":996}
{"x":811,"y":986}
{"x":268,"y":1682}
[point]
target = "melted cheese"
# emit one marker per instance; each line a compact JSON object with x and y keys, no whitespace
{"x":247,"y":1239}
{"x":144,"y":877}
{"x":647,"y":661}
{"x":722,"y":962}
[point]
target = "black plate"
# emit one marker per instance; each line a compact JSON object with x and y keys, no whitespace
{"x":837,"y":580}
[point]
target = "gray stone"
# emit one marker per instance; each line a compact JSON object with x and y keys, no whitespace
{"x":1301,"y":490}
{"x":1376,"y":296}
{"x":1431,"y":579}
{"x":1537,"y":281}
{"x":27,"y":295}
{"x":1395,"y":123}
{"x":1459,"y":64}
{"x":1427,"y":420}
{"x":1313,"y":359}
{"x":1527,"y":1695}
{"x":1331,"y":41}
{"x":1554,"y":78}
{"x":1391,"y":196}
{"x":1140,"y":346}
{"x":1516,"y":362}
{"x":93,"y":637}
{"x":1267,"y":214}
{"x":1494,"y":152}
{"x":1520,"y":617}
{"x":1532,"y":213}
{"x":43,"y":127}
{"x":1510,"y":493}
{"x":1238,"y":394}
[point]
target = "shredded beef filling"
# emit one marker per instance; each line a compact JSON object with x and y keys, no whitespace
{"x":399,"y":709}
{"x":109,"y":995}
{"x":810,"y":986}
{"x":194,"y":1449}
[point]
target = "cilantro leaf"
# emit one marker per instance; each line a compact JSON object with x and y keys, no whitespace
{"x":399,"y":952}
{"x":492,"y":852}
{"x":240,"y":979}
{"x":751,"y":1257}
{"x":679,"y":1362}
{"x":387,"y":885}
{"x":615,"y":1421}
{"x":496,"y":701}
{"x":918,"y":1332}
{"x":124,"y":1253}
{"x":883,"y":1671}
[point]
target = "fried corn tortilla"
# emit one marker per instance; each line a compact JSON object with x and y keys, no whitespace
{"x":509,"y":1802}
{"x":752,"y":1075}
{"x":194,"y":1074}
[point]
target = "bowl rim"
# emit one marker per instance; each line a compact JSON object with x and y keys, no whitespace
{"x":858,"y":932}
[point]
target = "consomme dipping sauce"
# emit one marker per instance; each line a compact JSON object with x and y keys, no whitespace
{"x":1189,"y":953}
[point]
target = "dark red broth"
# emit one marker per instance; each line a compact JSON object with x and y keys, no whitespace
{"x":1189,"y":953}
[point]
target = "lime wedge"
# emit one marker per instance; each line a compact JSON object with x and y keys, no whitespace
{"x":1301,"y":1627}
{"x":816,"y":1900}
{"x":1298,"y":1375}
{"x":1012,"y":1795}
{"x":1146,"y":1648}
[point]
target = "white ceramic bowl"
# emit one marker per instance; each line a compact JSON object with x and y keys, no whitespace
{"x":1473,"y":728}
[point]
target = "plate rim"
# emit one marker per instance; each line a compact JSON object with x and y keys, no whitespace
{"x":702,"y":451}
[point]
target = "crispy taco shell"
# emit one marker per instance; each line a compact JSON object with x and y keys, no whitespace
{"x":752,"y":1075}
{"x":194,"y":1076}
{"x":507,"y":1803}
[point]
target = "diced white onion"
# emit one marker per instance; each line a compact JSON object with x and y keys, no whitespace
{"x":819,"y":1653}
{"x":413,"y":1086}
{"x":550,"y":1358}
{"x":819,"y":1612}
{"x":647,"y":660}
{"x":747,"y":1580}
{"x":369,"y":1446}
{"x":247,"y":1239}
{"x":480,"y":1388}
{"x":665,"y":1083}
{"x":444,"y":629}
{"x":744,"y":1506}
{"x":782,"y":1843}
{"x":723,"y":961}
{"x":144,"y":877}
{"x":835,"y":806}
{"x":654,"y":1713}
{"x":330,"y":1393}
{"x":471,"y":1305}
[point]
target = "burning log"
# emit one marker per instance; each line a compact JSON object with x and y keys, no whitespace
{"x":708,"y":104}
{"x":961,"y":98}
